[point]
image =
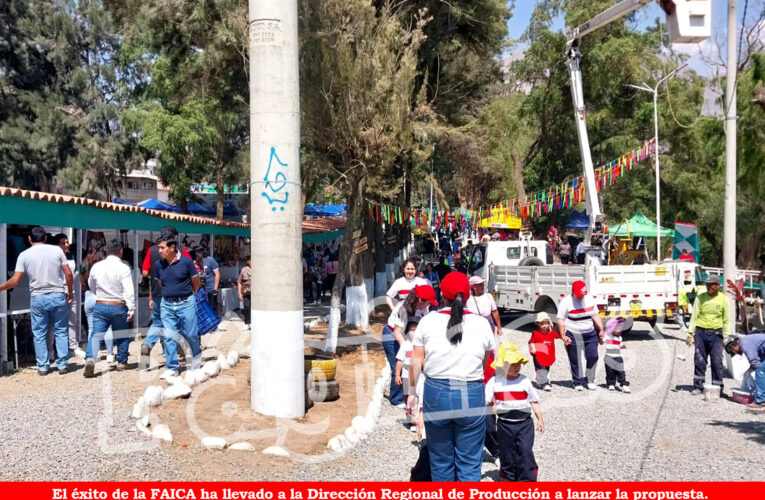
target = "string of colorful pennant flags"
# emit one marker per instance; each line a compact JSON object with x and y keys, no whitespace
{"x":562,"y":196}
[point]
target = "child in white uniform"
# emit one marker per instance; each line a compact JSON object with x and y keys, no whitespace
{"x":613,"y":358}
{"x":403,"y":360}
{"x":514,"y":399}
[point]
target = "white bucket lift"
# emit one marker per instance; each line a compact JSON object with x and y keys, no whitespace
{"x":688,"y":21}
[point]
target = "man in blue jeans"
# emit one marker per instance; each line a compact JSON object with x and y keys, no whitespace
{"x":179,"y":279}
{"x":112,"y":283}
{"x":155,"y":296}
{"x":50,"y":289}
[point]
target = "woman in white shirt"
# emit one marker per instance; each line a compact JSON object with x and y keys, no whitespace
{"x":415,"y":306}
{"x":452,"y":346}
{"x":483,"y":304}
{"x":402,"y":286}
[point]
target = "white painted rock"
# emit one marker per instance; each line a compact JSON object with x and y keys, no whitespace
{"x":141,"y":427}
{"x":276,"y":451}
{"x":385,"y":371}
{"x":145,"y":421}
{"x":223,"y":362}
{"x":352,"y":436}
{"x":177,"y":391}
{"x":189,"y":379}
{"x":139,"y":409}
{"x":213,"y":443}
{"x":211,"y":368}
{"x":361,"y":425}
{"x":153,"y":395}
{"x":162,"y":432}
{"x":246,"y":352}
{"x":243,"y":446}
{"x":232,"y":358}
{"x":200,"y":376}
{"x":337,"y":443}
{"x":174,"y":380}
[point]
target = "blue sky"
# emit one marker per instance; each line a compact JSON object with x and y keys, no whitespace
{"x":645,"y":16}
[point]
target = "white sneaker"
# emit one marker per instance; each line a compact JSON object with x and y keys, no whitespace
{"x":245,"y":328}
{"x":611,"y":388}
{"x":625,"y":389}
{"x":548,"y":387}
{"x":579,"y":388}
{"x":592,"y":387}
{"x":79,"y":353}
{"x":400,"y":405}
{"x":168,"y":374}
{"x":110,"y":358}
{"x":413,"y":428}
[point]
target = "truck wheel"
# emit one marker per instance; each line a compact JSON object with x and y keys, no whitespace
{"x":531,"y":261}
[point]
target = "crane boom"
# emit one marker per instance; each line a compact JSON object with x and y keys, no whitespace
{"x":595,"y":235}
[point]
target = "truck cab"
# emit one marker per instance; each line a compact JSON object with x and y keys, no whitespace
{"x":481,"y":257}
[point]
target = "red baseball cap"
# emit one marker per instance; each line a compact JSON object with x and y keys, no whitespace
{"x":454,"y":283}
{"x":579,"y":288}
{"x":426,"y":292}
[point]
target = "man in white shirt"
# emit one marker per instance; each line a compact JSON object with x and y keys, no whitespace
{"x":112,"y":283}
{"x":49,"y":291}
{"x":580,"y":249}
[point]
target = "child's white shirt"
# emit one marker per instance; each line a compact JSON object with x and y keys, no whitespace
{"x":511,"y":398}
{"x":405,"y":356}
{"x":613,"y":344}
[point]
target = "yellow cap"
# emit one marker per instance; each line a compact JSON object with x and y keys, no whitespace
{"x":508,"y":353}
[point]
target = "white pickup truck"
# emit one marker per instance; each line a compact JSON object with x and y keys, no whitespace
{"x":524,"y":282}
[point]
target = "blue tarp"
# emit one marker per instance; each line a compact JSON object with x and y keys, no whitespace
{"x":578,"y":220}
{"x":120,"y":201}
{"x":325,"y":210}
{"x":155,"y":204}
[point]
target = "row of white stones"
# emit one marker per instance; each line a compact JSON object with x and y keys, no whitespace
{"x":363,"y":425}
{"x":180,"y":387}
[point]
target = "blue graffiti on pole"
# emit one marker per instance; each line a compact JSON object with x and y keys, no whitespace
{"x":276,"y":184}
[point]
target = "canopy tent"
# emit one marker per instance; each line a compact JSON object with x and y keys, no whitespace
{"x":639,"y":225}
{"x":578,"y":221}
{"x":155,"y":204}
{"x":501,"y":219}
{"x":324,"y":210}
{"x":18,"y":206}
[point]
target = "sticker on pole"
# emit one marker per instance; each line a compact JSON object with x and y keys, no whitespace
{"x":266,"y":32}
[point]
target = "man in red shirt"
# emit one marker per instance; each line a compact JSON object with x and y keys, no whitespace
{"x":687,"y":256}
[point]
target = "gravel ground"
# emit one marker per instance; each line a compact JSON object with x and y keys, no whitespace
{"x":59,"y":430}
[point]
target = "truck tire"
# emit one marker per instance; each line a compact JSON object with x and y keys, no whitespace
{"x":531,"y":261}
{"x":322,"y":368}
{"x":627,"y":327}
{"x":323,"y":392}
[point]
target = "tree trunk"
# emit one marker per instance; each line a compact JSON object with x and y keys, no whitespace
{"x":220,"y":190}
{"x":347,"y":269}
{"x":518,"y":175}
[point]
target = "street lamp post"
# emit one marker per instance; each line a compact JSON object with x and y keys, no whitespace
{"x":655,"y":92}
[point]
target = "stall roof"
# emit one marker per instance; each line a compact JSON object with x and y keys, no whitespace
{"x":20,"y":206}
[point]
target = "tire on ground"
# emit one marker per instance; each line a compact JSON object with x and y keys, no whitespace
{"x":531,"y":261}
{"x":322,"y":392}
{"x":322,"y":368}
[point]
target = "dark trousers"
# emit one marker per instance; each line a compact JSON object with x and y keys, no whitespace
{"x":615,"y":370}
{"x":246,"y":304}
{"x":212,"y":299}
{"x":587,"y":344}
{"x":516,"y":450}
{"x":565,"y":259}
{"x":421,"y":470}
{"x":709,"y":343}
{"x":490,"y":439}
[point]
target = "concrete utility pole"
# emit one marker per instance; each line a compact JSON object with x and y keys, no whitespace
{"x":278,"y":384}
{"x":729,"y":221}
